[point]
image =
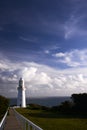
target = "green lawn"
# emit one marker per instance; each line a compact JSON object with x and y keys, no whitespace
{"x":54,"y":121}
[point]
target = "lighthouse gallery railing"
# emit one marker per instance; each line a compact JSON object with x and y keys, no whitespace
{"x":25,"y":123}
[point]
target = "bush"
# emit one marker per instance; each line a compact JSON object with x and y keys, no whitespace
{"x":80,"y":102}
{"x":4,"y":103}
{"x":37,"y":107}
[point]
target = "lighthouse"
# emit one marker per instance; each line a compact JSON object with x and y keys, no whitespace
{"x":21,"y":99}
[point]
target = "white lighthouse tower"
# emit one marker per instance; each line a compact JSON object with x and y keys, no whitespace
{"x":21,"y":100}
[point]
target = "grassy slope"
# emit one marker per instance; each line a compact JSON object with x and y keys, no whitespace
{"x":53,"y":121}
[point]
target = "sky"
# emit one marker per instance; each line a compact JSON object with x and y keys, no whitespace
{"x":45,"y":42}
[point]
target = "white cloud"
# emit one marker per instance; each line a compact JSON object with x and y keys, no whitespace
{"x":60,"y":54}
{"x":73,"y":58}
{"x":46,"y":51}
{"x":29,"y":39}
{"x":51,"y":48}
{"x":29,"y":72}
{"x":72,"y":27}
{"x":41,"y":80}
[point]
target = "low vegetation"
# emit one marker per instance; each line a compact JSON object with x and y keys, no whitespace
{"x":4,"y":103}
{"x":54,"y":120}
{"x":68,"y":116}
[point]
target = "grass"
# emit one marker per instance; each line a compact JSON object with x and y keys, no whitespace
{"x":54,"y":121}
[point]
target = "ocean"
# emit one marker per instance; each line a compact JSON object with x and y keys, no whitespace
{"x":45,"y":101}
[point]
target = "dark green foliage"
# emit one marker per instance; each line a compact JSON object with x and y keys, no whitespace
{"x":4,"y":103}
{"x":80,"y":102}
{"x":37,"y":107}
{"x":66,"y":107}
{"x":77,"y":106}
{"x":54,"y":108}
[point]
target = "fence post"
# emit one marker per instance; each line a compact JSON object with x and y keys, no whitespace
{"x":28,"y":126}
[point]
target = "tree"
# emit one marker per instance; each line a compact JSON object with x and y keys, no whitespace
{"x":80,"y":102}
{"x":66,"y":107}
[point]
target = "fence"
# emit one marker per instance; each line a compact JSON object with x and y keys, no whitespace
{"x":25,"y":123}
{"x":2,"y":123}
